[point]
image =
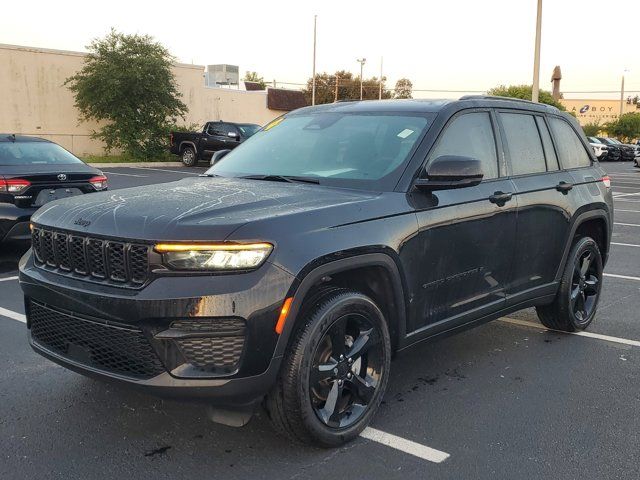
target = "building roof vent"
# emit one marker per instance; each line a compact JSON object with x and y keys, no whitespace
{"x":219,"y":75}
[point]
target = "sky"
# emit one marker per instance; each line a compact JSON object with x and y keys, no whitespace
{"x":439,"y":45}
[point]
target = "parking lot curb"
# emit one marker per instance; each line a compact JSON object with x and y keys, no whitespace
{"x":137,"y":164}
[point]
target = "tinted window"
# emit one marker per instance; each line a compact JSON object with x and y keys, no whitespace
{"x":549,"y":151}
{"x":470,"y":135}
{"x":355,"y":150}
{"x":35,"y":153}
{"x":523,"y":140}
{"x":248,"y":129}
{"x":220,"y":129}
{"x":570,"y":149}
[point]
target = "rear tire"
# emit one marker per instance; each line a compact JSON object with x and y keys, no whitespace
{"x":189,"y":157}
{"x":335,"y":371}
{"x":576,"y":302}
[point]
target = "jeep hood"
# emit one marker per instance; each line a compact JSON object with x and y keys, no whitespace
{"x":195,"y":208}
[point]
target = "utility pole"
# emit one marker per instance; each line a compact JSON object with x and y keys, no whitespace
{"x":535,"y":92}
{"x":361,"y":61}
{"x":313,"y":81}
{"x":380,"y":92}
{"x":622,"y":92}
{"x":335,"y":97}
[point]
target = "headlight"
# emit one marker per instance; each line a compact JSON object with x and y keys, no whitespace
{"x":215,"y":257}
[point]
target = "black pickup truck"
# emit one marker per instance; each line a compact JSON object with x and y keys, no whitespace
{"x":215,"y":136}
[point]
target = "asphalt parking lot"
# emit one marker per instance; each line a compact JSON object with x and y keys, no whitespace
{"x":506,"y":400}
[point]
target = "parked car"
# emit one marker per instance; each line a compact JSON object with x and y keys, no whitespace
{"x":34,"y":171}
{"x":599,"y":148}
{"x":614,"y":153}
{"x":195,"y":146}
{"x":336,"y":236}
{"x":627,"y":152}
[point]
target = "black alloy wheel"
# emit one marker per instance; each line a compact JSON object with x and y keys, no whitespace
{"x":335,"y":371}
{"x":585,"y":286}
{"x":346,"y":370}
{"x":576,"y":301}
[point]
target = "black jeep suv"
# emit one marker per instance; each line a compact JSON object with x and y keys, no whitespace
{"x":339,"y":234}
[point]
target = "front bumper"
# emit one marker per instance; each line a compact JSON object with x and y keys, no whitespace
{"x":105,"y":331}
{"x":14,"y":222}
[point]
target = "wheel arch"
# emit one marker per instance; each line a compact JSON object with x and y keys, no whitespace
{"x":594,"y":223}
{"x":386,"y":289}
{"x":189,"y":143}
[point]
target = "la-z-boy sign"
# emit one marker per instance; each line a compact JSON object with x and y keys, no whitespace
{"x":589,"y":111}
{"x":592,"y":108}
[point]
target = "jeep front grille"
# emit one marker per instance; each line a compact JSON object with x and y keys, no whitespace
{"x":120,"y":263}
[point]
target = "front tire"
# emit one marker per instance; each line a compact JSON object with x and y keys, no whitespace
{"x":189,"y":157}
{"x":576,"y":302}
{"x":335,"y":371}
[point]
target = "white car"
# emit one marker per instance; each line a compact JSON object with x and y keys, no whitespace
{"x":599,"y":148}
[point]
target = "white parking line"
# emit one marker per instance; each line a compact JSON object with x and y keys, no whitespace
{"x":6,"y":279}
{"x":625,"y":244}
{"x":623,"y":210}
{"x":626,"y":277}
{"x":13,"y":315}
{"x":163,"y":170}
{"x":627,"y":224}
{"x":635,"y":187}
{"x":125,"y":174}
{"x":598,"y":336}
{"x":404,"y":445}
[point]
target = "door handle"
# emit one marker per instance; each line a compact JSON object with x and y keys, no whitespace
{"x":500,"y":198}
{"x":564,"y":187}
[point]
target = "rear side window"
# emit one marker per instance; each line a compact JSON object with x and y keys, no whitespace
{"x":523,"y":140}
{"x":470,"y":135}
{"x":549,"y":151}
{"x":570,"y":149}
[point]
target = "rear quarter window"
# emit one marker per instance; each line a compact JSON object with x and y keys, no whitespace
{"x":570,"y":149}
{"x":525,"y":145}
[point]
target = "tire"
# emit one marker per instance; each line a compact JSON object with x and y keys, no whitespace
{"x":189,"y":157}
{"x":327,"y":401}
{"x":576,"y":302}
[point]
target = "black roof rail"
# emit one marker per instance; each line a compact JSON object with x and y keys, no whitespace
{"x":496,"y":97}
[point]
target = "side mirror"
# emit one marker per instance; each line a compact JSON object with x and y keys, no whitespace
{"x":217,"y":156}
{"x":233,"y":135}
{"x":451,"y":171}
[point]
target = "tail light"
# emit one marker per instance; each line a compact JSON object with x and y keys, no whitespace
{"x":607,"y":181}
{"x":14,"y":185}
{"x":99,"y":182}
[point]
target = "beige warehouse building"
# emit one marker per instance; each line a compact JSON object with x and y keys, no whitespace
{"x":36,"y":102}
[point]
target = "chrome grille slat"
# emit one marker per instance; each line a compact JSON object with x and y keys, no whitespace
{"x":120,"y":263}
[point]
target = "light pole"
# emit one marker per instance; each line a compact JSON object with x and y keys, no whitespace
{"x":622,"y":91}
{"x":313,"y":81}
{"x":380,"y":90}
{"x":361,"y":61}
{"x":535,"y":91}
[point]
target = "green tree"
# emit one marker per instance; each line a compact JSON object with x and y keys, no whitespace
{"x":592,"y":129}
{"x":254,"y":77}
{"x":348,"y":87}
{"x":404,"y":88}
{"x":524,"y":92}
{"x":127,"y":84}
{"x":626,"y":127}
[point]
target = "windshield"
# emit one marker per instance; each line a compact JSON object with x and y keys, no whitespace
{"x":606,"y":141}
{"x":356,"y":150}
{"x":35,"y":153}
{"x":616,"y":141}
{"x":248,"y":129}
{"x":594,"y":140}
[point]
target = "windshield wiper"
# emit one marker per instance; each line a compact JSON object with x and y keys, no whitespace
{"x":282,"y":178}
